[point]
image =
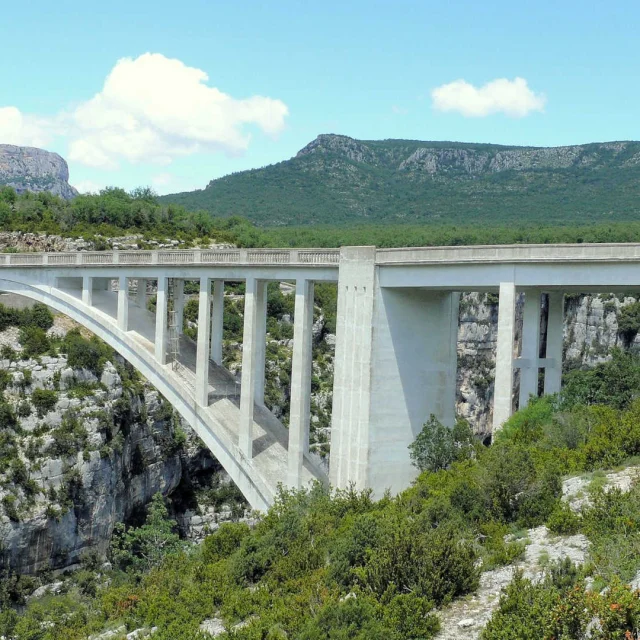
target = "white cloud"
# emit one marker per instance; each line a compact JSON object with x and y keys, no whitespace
{"x":162,"y":180}
{"x":88,"y":186}
{"x":512,"y":97}
{"x":150,"y":109}
{"x":20,"y":129}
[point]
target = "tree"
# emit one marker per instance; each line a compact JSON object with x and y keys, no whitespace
{"x":139,"y":549}
{"x":437,"y":446}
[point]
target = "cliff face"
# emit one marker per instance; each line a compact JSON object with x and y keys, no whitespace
{"x":31,"y":169}
{"x":90,"y":454}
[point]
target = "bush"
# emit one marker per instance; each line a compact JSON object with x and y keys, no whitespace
{"x":44,"y":400}
{"x":437,"y":446}
{"x":34,"y":341}
{"x":83,"y":353}
{"x":563,"y":521}
{"x":69,"y":438}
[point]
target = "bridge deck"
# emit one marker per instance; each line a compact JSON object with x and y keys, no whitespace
{"x":270,"y":436}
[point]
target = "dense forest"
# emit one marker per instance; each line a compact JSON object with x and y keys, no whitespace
{"x":337,"y":180}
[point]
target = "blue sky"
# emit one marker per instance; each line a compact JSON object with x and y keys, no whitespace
{"x":369,"y":70}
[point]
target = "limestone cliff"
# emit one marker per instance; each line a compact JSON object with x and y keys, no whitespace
{"x":32,"y":169}
{"x":87,"y":451}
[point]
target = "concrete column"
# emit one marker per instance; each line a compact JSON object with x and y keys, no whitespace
{"x":204,"y":330}
{"x":217,"y":321}
{"x":299,"y":416}
{"x":161,"y":321}
{"x":530,"y":347}
{"x":178,"y":301}
{"x":261,"y":339}
{"x":249,"y":356}
{"x":555,"y":327}
{"x":87,"y":290}
{"x":141,"y":295}
{"x":503,"y":390}
{"x":353,"y":366}
{"x":123,"y":303}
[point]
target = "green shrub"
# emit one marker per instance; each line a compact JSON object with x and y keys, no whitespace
{"x":34,"y":341}
{"x":44,"y":400}
{"x":68,"y":438}
{"x":563,"y":521}
{"x":83,"y":353}
{"x":437,"y":446}
{"x":224,"y":541}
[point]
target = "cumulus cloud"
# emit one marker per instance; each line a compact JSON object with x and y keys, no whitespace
{"x":514,"y":98}
{"x":150,"y":109}
{"x":18,"y":128}
{"x":88,"y":186}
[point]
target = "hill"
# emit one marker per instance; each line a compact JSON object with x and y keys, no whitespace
{"x":340,"y":180}
{"x":32,"y":169}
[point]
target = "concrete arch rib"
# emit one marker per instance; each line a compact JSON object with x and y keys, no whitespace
{"x":241,"y":470}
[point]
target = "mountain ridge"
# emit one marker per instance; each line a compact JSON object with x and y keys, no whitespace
{"x":341,"y":180}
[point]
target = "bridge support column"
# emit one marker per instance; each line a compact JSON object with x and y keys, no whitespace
{"x":395,"y":365}
{"x":161,"y":321}
{"x":530,"y":353}
{"x":202,"y":357}
{"x":503,"y":389}
{"x":217,"y":321}
{"x":141,"y":293}
{"x":87,"y":290}
{"x":300,"y":381}
{"x":178,"y":301}
{"x":123,"y":303}
{"x":555,"y":326}
{"x":261,"y":339}
{"x":250,"y":353}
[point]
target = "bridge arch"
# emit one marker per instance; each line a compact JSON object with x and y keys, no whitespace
{"x":241,"y":470}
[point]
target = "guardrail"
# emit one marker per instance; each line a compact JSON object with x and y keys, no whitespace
{"x":611,"y":252}
{"x":263,"y":257}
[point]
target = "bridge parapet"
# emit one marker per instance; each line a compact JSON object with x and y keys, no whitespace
{"x":262,"y":257}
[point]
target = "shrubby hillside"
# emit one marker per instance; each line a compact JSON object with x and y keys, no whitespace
{"x":318,"y":566}
{"x":337,"y":180}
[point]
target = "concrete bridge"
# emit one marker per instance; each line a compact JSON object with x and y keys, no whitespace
{"x":396,"y":340}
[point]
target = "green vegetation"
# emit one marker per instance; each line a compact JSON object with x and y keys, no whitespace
{"x":347,"y":567}
{"x":353,"y":181}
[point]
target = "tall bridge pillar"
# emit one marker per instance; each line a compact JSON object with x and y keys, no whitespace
{"x":217,"y":321}
{"x":396,"y":360}
{"x":299,"y":416}
{"x":255,"y":305}
{"x":529,"y":361}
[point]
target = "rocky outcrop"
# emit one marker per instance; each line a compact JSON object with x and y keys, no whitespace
{"x":94,"y":456}
{"x":32,"y":169}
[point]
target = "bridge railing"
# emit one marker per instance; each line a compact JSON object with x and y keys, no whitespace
{"x":267,"y":257}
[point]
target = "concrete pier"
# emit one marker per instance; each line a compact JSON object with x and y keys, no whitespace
{"x":503,"y":394}
{"x":202,"y":355}
{"x":161,"y":320}
{"x":299,"y":415}
{"x":217,"y":321}
{"x":530,"y":353}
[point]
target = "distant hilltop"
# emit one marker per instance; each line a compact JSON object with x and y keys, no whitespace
{"x":32,"y":169}
{"x":340,"y":180}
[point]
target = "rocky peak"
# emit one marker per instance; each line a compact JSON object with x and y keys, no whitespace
{"x":32,"y":169}
{"x":345,"y":146}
